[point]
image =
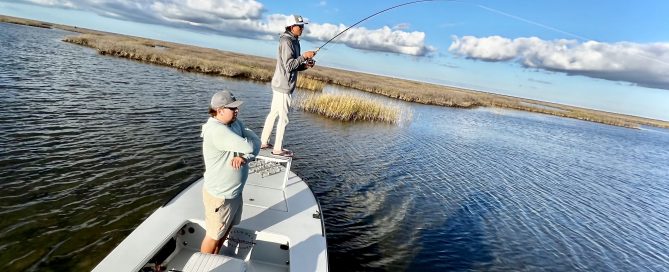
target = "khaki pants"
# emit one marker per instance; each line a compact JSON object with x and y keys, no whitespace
{"x":220,"y":214}
{"x":280,"y":106}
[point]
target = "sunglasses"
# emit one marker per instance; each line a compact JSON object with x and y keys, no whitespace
{"x":230,"y":108}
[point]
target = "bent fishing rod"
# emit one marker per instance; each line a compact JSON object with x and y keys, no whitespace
{"x":370,"y":16}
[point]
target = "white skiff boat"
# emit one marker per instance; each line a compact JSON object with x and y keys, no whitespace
{"x":281,"y":229}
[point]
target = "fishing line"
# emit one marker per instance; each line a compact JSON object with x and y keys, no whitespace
{"x":478,"y":5}
{"x":533,"y":23}
{"x":582,"y":38}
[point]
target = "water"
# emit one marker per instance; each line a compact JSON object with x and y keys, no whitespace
{"x":91,"y":145}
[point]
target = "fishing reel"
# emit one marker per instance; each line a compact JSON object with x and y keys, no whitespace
{"x":310,"y":62}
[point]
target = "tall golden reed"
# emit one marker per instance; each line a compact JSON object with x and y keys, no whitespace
{"x":309,"y":83}
{"x":348,"y":108}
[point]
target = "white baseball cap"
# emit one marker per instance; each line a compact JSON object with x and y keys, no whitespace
{"x":292,"y":20}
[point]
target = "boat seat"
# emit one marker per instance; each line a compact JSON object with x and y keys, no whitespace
{"x":204,"y":262}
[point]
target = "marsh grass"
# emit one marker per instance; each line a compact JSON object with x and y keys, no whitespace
{"x":348,"y":108}
{"x":194,"y":59}
{"x":22,"y":21}
{"x":216,"y":62}
{"x":309,"y":83}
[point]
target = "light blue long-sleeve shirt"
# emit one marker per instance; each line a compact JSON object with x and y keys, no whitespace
{"x":220,"y":144}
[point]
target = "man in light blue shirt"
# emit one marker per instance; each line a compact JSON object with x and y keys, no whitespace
{"x":227,"y":147}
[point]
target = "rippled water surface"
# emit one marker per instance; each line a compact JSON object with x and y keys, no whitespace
{"x":91,"y":145}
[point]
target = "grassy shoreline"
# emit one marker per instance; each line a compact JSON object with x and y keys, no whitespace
{"x":22,"y":21}
{"x":222,"y":63}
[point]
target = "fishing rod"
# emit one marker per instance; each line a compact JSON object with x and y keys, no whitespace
{"x":370,"y":16}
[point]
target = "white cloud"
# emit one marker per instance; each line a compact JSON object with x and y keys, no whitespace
{"x":642,"y":64}
{"x":54,"y":3}
{"x":230,"y":9}
{"x":245,"y":18}
{"x":382,"y":39}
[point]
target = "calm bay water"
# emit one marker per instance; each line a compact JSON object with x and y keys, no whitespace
{"x":91,"y":145}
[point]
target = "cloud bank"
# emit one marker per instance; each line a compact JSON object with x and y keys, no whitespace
{"x":641,"y":64}
{"x":245,"y":19}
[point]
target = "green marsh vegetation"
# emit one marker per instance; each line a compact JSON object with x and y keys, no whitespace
{"x":221,"y":63}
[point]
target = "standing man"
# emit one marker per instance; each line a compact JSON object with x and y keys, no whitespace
{"x":288,"y":63}
{"x":227,"y":147}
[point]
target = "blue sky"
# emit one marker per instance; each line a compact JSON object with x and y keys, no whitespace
{"x":607,"y":55}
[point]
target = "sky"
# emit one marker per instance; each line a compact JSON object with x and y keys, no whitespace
{"x":605,"y":55}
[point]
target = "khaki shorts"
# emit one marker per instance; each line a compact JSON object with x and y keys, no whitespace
{"x":220,"y":214}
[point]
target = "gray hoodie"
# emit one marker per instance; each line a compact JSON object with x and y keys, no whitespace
{"x":288,"y":62}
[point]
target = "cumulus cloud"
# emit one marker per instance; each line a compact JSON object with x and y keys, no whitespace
{"x":246,"y":19}
{"x":642,"y":64}
{"x":190,"y":10}
{"x":382,"y":39}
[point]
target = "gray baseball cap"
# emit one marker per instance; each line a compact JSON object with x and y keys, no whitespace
{"x":224,"y":99}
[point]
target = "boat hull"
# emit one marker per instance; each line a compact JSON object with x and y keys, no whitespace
{"x":281,"y":229}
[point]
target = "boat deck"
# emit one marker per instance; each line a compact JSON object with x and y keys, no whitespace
{"x":281,"y":228}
